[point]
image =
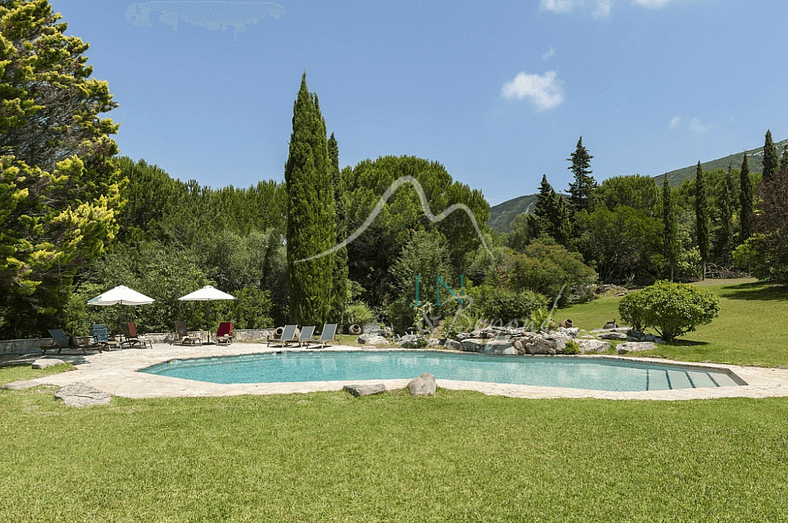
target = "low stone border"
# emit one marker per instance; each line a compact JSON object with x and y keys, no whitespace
{"x":115,"y":373}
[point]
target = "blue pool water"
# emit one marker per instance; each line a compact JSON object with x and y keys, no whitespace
{"x":578,"y":373}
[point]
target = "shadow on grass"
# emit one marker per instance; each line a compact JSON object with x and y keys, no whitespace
{"x":686,"y":343}
{"x":759,"y":291}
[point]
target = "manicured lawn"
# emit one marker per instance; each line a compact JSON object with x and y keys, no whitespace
{"x":750,"y":329}
{"x":458,"y":456}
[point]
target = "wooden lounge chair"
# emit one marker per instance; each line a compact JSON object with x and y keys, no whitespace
{"x":183,"y":337}
{"x":101,"y":339}
{"x":61,"y":340}
{"x":130,"y":337}
{"x":328,"y":334}
{"x":288,"y":336}
{"x":224,"y":334}
{"x":306,"y":335}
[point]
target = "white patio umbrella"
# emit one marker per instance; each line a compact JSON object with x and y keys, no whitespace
{"x":208,"y":293}
{"x":121,"y":295}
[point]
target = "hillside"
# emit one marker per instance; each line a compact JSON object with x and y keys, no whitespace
{"x":502,"y":214}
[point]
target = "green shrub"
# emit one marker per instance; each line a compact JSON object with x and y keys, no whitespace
{"x":505,"y":306}
{"x":359,"y":313}
{"x":571,"y":348}
{"x":672,"y":309}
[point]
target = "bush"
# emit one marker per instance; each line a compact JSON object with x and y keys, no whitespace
{"x":506,"y":306}
{"x":358,"y":312}
{"x":571,"y":348}
{"x":672,"y":309}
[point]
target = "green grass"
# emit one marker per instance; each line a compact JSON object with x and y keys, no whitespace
{"x":750,"y":329}
{"x":458,"y":456}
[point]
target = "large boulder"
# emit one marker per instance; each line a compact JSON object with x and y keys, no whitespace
{"x":424,"y":385}
{"x":500,"y":347}
{"x":43,"y":363}
{"x":80,"y":394}
{"x":539,"y":345}
{"x":412,"y":341}
{"x":612,"y":335}
{"x":453,"y":344}
{"x":372,"y":339}
{"x":634,"y":346}
{"x":473,"y":345}
{"x":365,"y":389}
{"x":592,"y":346}
{"x":572,"y":332}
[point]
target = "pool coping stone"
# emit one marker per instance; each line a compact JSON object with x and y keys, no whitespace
{"x":115,"y":372}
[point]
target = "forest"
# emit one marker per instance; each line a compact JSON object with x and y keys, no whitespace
{"x":78,"y":219}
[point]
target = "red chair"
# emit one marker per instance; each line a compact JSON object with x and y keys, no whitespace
{"x":224,"y":335}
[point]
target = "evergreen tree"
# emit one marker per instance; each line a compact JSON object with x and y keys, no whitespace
{"x":745,"y":201}
{"x":59,"y":184}
{"x":311,"y":217}
{"x":552,"y":212}
{"x":670,"y":234}
{"x":562,"y":225}
{"x":702,"y":217}
{"x":545,"y":201}
{"x":725,"y":231}
{"x":784,"y":159}
{"x":771,"y":162}
{"x":581,"y":190}
{"x":340,"y":291}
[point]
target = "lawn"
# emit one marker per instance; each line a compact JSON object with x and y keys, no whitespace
{"x":458,"y":456}
{"x":750,"y":329}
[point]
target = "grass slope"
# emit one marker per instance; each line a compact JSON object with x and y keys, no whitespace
{"x":748,"y":330}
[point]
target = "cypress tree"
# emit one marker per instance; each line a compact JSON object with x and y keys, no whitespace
{"x":311,"y":216}
{"x":770,"y":160}
{"x":702,"y":217}
{"x":580,"y":191}
{"x":339,"y":298}
{"x":784,"y":159}
{"x":745,"y":201}
{"x":562,"y":225}
{"x":724,"y":233}
{"x":669,"y":235}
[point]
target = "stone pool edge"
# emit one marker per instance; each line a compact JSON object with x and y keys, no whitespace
{"x":116,"y":373}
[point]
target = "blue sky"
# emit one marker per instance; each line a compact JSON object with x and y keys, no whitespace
{"x":498,"y":92}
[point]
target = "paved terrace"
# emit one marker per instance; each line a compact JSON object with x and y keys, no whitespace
{"x":115,"y":372}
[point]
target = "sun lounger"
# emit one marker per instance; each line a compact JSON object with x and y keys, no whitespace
{"x":288,"y":336}
{"x":61,"y":340}
{"x":101,"y":339}
{"x":183,"y":337}
{"x":224,"y":334}
{"x":328,"y":334}
{"x":306,"y":335}
{"x":131,"y":339}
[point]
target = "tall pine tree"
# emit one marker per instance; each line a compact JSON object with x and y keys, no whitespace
{"x":702,"y":217}
{"x":340,"y":294}
{"x":771,"y":161}
{"x":311,"y":217}
{"x":745,"y":201}
{"x":580,"y":191}
{"x":669,"y":235}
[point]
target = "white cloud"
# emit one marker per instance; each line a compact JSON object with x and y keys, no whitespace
{"x":549,"y":54}
{"x":674,"y":121}
{"x":599,"y":8}
{"x":651,"y":4}
{"x":700,"y":127}
{"x":545,"y":91}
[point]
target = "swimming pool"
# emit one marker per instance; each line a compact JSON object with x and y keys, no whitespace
{"x":570,"y":372}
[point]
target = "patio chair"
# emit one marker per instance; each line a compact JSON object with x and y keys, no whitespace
{"x":328,"y":334}
{"x":288,"y":336}
{"x":130,"y":337}
{"x":224,"y":334}
{"x":101,"y":339}
{"x":306,"y":335}
{"x":183,"y":336}
{"x":61,"y":340}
